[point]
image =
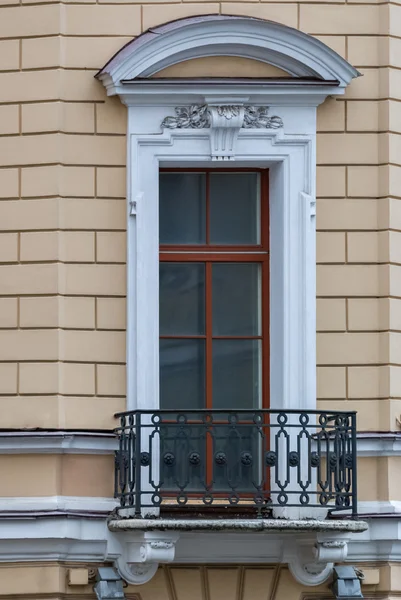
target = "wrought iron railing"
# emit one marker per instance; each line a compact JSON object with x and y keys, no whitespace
{"x":261,"y":460}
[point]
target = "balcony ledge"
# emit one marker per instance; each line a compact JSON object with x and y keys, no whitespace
{"x":143,"y":543}
{"x":266,"y":525}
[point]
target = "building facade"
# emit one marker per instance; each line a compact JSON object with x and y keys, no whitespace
{"x":200,"y":211}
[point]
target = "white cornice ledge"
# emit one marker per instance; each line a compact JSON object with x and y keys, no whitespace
{"x":81,"y":442}
{"x":57,"y":442}
{"x":297,"y":53}
{"x":89,"y":540}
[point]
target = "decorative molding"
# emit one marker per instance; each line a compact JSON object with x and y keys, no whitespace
{"x":224,"y":122}
{"x":299,"y":54}
{"x":27,"y":506}
{"x":256,"y":117}
{"x":379,"y":444}
{"x":290,"y":155}
{"x":70,"y":442}
{"x":57,"y":442}
{"x":313,"y":564}
{"x":79,"y":539}
{"x":142,"y":552}
{"x":196,"y":116}
{"x":136,"y":574}
{"x":202,"y":116}
{"x":330,"y":551}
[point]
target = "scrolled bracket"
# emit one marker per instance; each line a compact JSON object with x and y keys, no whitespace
{"x":226,"y":122}
{"x":141,"y":555}
{"x":312,"y":563}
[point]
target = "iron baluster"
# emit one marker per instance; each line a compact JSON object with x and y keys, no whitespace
{"x":252,"y":459}
{"x":138,"y":511}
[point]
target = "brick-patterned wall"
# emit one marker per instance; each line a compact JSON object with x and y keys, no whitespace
{"x":62,"y":209}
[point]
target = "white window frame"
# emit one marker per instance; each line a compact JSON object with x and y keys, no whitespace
{"x":289,"y":153}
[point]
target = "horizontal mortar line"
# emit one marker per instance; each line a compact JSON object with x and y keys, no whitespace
{"x":67,"y":230}
{"x":80,"y":362}
{"x":64,"y":328}
{"x":356,"y":263}
{"x":57,"y":328}
{"x":59,"y":164}
{"x":351,"y":331}
{"x":366,"y":164}
{"x":345,"y":132}
{"x":50,"y":101}
{"x":339,"y":230}
{"x":39,"y":361}
{"x":29,"y":165}
{"x":58,"y":34}
{"x":385,"y":66}
{"x":58,"y":295}
{"x":363,"y":364}
{"x":58,"y":394}
{"x":354,"y":131}
{"x":67,"y":295}
{"x":61,"y":132}
{"x":356,"y":297}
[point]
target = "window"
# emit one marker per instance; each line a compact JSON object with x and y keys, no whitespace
{"x":214,"y":289}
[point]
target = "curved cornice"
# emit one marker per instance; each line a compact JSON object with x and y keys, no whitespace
{"x":299,"y":54}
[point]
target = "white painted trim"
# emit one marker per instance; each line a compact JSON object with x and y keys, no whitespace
{"x":297,"y":53}
{"x":290,"y":155}
{"x":89,"y":540}
{"x":62,"y":442}
{"x":39,"y":504}
{"x":89,"y":504}
{"x":57,"y":442}
{"x":379,"y":444}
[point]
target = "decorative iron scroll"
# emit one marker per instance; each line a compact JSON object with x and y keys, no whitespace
{"x":198,"y":116}
{"x":264,"y":459}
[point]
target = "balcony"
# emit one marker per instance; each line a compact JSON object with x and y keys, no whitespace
{"x":236,"y":462}
{"x":187,"y":476}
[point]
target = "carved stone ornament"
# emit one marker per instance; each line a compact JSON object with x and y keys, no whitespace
{"x":141,"y":554}
{"x":224,"y":121}
{"x":198,"y":116}
{"x":312,"y":564}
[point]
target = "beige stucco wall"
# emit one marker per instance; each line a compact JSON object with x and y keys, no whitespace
{"x":231,"y":582}
{"x":63,"y":215}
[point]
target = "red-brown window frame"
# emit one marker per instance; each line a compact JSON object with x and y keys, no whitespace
{"x":209,"y":254}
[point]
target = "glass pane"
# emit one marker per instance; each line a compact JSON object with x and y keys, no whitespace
{"x":182,"y":298}
{"x":182,"y":208}
{"x":236,"y":374}
{"x":236,"y":299}
{"x":182,"y":374}
{"x":234,"y":208}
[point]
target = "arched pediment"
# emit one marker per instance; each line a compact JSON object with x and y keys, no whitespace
{"x":299,"y":54}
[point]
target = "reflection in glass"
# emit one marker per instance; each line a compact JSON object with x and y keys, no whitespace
{"x":236,"y":299}
{"x":234,"y":208}
{"x":182,"y":208}
{"x":182,"y":298}
{"x":236,"y":374}
{"x":182,"y":374}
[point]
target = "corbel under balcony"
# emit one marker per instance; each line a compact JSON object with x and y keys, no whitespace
{"x":309,"y":547}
